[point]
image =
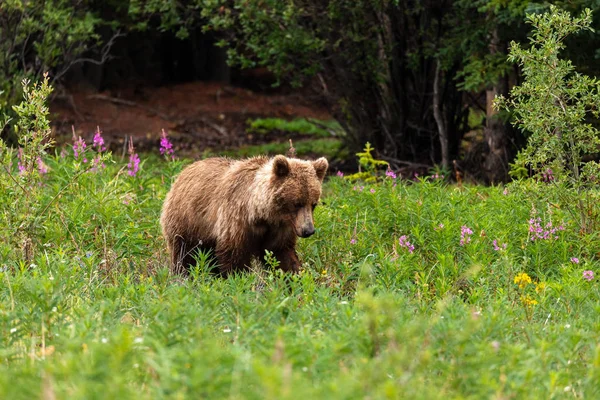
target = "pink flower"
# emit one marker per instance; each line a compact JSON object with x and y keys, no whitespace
{"x":97,"y":163}
{"x":498,"y":248}
{"x":42,"y":168}
{"x":575,"y":260}
{"x":588,"y":275}
{"x":340,"y":174}
{"x":352,"y":241}
{"x":98,"y":142}
{"x":134,"y":161}
{"x":403,"y":241}
{"x":21,"y":164}
{"x":166,"y":147}
{"x":79,"y":147}
{"x":372,"y":190}
{"x":465,"y":235}
{"x":548,"y":175}
{"x":390,"y":173}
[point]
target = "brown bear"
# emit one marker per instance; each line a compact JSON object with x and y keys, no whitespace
{"x":240,"y":208}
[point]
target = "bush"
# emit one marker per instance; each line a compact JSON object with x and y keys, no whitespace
{"x":554,"y":106}
{"x":38,"y":37}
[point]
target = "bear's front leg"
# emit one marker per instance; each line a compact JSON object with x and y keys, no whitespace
{"x":232,"y":258}
{"x":288,"y":260}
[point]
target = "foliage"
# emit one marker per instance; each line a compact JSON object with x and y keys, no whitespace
{"x":23,"y":193}
{"x":555,"y":105}
{"x":96,"y":313}
{"x":41,"y":36}
{"x":368,"y":165}
{"x":298,"y":125}
{"x":408,"y":289}
{"x":331,"y":148}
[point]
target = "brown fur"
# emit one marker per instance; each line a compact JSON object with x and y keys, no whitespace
{"x":240,"y":209}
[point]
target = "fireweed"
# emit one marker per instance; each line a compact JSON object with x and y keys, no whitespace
{"x":134,"y":160}
{"x":465,"y":235}
{"x":403,"y":242}
{"x":98,"y":145}
{"x":166,"y":147}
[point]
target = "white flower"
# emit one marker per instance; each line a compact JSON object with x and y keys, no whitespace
{"x":226,"y":330}
{"x":104,"y":340}
{"x":13,"y":330}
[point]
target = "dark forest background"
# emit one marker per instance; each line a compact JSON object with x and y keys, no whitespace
{"x":413,"y":78}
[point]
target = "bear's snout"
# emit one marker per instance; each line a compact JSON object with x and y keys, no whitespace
{"x":308,"y":231}
{"x":304,"y":225}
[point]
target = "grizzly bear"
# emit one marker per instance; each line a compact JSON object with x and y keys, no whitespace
{"x":240,"y":208}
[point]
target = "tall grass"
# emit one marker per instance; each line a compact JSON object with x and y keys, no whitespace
{"x":95,"y":314}
{"x":409,"y":289}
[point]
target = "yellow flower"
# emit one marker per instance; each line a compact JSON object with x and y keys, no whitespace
{"x":528,"y":301}
{"x":522,"y":280}
{"x":539,"y":287}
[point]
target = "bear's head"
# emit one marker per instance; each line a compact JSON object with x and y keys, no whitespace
{"x":297,"y":189}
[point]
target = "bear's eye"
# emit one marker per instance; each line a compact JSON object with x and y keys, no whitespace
{"x":298,"y":206}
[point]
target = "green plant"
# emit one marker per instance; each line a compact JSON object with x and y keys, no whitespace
{"x":369,"y":167}
{"x":554,"y":106}
{"x":303,"y":126}
{"x":23,"y":184}
{"x":41,"y":36}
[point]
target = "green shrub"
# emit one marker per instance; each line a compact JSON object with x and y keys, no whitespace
{"x":554,"y":106}
{"x":41,"y":36}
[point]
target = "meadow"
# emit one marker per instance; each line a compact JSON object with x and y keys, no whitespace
{"x":411,"y":288}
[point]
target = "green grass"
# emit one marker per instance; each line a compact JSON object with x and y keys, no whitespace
{"x":95,"y":313}
{"x":303,"y":126}
{"x":327,"y":147}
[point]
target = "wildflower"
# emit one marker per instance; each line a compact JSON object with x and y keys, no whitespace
{"x":134,"y":161}
{"x":63,"y":153}
{"x":505,"y":191}
{"x":588,"y":275}
{"x":522,"y":280}
{"x":543,"y":233}
{"x":166,"y":147}
{"x":98,"y":141}
{"x":539,"y":287}
{"x":403,"y":241}
{"x":575,"y":260}
{"x":465,"y":235}
{"x":498,"y":248}
{"x":340,"y":174}
{"x":391,"y":174}
{"x":97,"y":163}
{"x":79,"y":147}
{"x":547,"y":175}
{"x":42,"y":168}
{"x":352,"y":241}
{"x":21,"y":164}
{"x":372,"y":190}
{"x":528,"y":301}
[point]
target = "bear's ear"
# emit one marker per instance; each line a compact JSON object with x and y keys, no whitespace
{"x":320,"y":166}
{"x":281,"y":166}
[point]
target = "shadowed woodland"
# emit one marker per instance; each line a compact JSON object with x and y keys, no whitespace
{"x":416,"y":79}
